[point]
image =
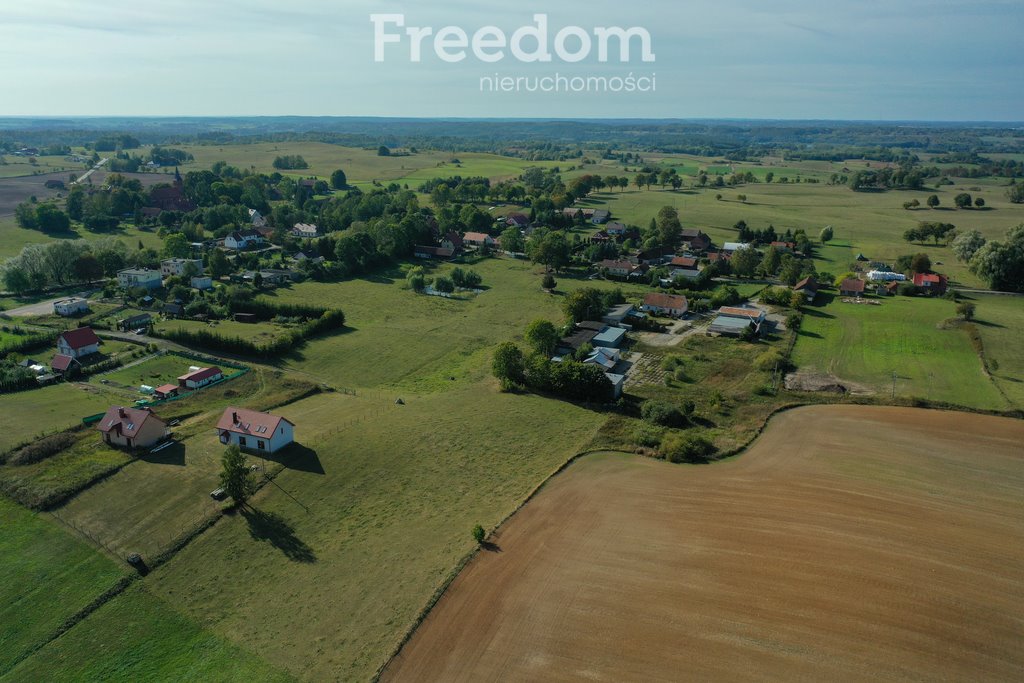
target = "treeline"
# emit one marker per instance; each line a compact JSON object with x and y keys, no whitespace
{"x":64,"y":262}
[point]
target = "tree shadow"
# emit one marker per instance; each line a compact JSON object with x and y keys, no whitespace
{"x":813,"y":335}
{"x":275,"y":529}
{"x":297,"y":457}
{"x":490,"y":547}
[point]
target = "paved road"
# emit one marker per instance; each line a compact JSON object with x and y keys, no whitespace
{"x":90,"y":171}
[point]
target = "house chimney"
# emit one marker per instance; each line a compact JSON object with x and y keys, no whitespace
{"x":120,"y":412}
{"x":234,"y":418}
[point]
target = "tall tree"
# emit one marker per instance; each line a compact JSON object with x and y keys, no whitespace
{"x":668,"y":226}
{"x":542,"y":336}
{"x":235,"y":477}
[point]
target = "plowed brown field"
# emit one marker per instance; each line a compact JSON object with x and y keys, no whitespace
{"x":848,"y":543}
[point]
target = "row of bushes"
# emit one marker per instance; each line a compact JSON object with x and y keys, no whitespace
{"x":40,"y":449}
{"x":330,"y":320}
{"x":29,"y":342}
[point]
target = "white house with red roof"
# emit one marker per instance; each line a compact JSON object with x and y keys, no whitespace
{"x":478,"y":239}
{"x":198,"y":378}
{"x":931,"y":283}
{"x":77,"y":343}
{"x":131,"y":427}
{"x":254,"y":431}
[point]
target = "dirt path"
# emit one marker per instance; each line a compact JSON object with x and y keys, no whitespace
{"x":850,"y":543}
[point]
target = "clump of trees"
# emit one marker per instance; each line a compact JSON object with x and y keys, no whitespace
{"x":290,"y":162}
{"x":999,"y":263}
{"x":928,"y":229}
{"x":689,"y":448}
{"x":46,"y":217}
{"x":568,"y":378}
{"x":666,"y":414}
{"x":39,"y":266}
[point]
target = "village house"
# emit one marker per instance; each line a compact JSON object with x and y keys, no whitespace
{"x":243,"y":239}
{"x":421,"y":251}
{"x":202,"y":282}
{"x":685,"y":266}
{"x":617,"y":268}
{"x":478,"y":239}
{"x":181,"y":266}
{"x":784,"y":247}
{"x":572,"y":212}
{"x":931,"y":284}
{"x":453,"y":241}
{"x":616,"y":229}
{"x":71,"y":306}
{"x":140,"y":277}
{"x":254,"y":431}
{"x":305,"y":230}
{"x":135,"y":322}
{"x":851,"y":287}
{"x":808,"y":287}
{"x":695,"y":240}
{"x":517,"y":220}
{"x":257,"y":219}
{"x":653,"y":257}
{"x":78,"y":343}
{"x":131,"y":427}
{"x":674,"y":305}
{"x":197,"y":378}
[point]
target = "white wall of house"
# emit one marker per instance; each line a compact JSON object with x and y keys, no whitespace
{"x":66,"y":350}
{"x":283,"y":436}
{"x":70,"y":306}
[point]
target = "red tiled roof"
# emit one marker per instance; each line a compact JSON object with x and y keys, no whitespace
{"x":166,"y":388}
{"x":736,"y":312}
{"x":659,"y":300}
{"x":80,"y":337}
{"x":684,"y":262}
{"x":200,"y":374}
{"x":245,"y":421}
{"x":852,"y":285}
{"x":922,"y":279}
{"x":61,"y":362}
{"x":807,"y":283}
{"x":476,"y":237}
{"x":126,"y":421}
{"x":610,"y":264}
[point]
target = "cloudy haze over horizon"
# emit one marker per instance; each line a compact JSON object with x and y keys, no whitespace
{"x":900,"y":60}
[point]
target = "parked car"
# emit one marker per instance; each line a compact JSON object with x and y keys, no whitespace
{"x":218,"y":494}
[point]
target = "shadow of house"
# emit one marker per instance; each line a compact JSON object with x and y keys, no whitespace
{"x":170,"y":455}
{"x":274,"y":529}
{"x":297,"y":457}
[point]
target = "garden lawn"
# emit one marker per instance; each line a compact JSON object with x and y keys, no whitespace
{"x":866,"y":344}
{"x":137,"y":637}
{"x":154,"y":371}
{"x":49,"y":575}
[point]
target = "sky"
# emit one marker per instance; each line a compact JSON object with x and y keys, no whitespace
{"x":934,"y":60}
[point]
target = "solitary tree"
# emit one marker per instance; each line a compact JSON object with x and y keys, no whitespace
{"x":548,"y":282}
{"x":479,"y":534}
{"x":965,"y":310}
{"x":542,"y":336}
{"x":826,"y":234}
{"x":235,"y":478}
{"x":932,"y":201}
{"x":920,"y":263}
{"x":962,"y":201}
{"x":338,"y":180}
{"x":508,"y":366}
{"x":979,"y":202}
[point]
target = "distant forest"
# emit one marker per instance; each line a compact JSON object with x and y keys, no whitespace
{"x":736,"y":140}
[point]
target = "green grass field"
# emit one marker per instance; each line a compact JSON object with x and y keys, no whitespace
{"x":30,"y":413}
{"x":20,"y":166}
{"x":399,"y":338}
{"x":1000,"y":320}
{"x":258,"y":333}
{"x":137,"y":637}
{"x":381,"y":514}
{"x":153,"y":372}
{"x":866,"y":344}
{"x":49,"y":575}
{"x":14,"y":238}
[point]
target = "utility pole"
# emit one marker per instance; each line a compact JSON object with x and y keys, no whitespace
{"x":894,"y":385}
